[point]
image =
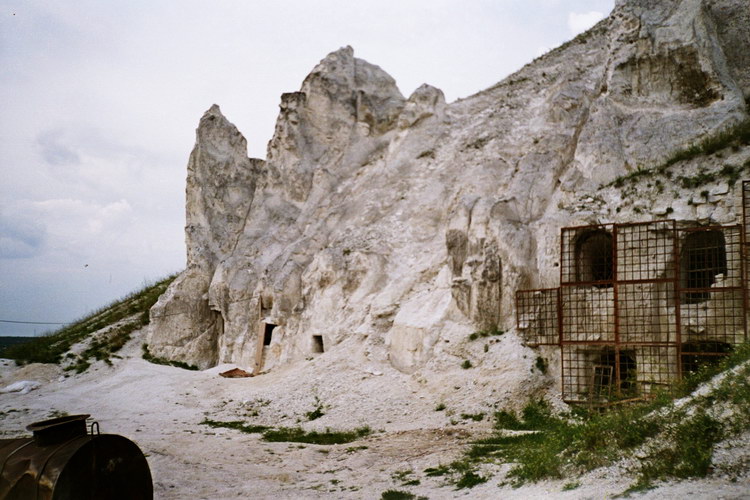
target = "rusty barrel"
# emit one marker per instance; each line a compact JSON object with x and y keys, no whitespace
{"x":63,"y":461}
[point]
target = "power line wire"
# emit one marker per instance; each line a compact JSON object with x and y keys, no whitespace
{"x":33,"y":322}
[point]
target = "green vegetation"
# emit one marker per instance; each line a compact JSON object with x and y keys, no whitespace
{"x":571,"y":485}
{"x":163,"y":361}
{"x":440,"y":470}
{"x":466,"y":364}
{"x":293,"y":434}
{"x":237,"y":425}
{"x":440,"y":407}
{"x":492,"y":332}
{"x":10,"y":341}
{"x":731,"y":137}
{"x":679,"y":440}
{"x":399,"y":495}
{"x":735,"y":136}
{"x":476,"y":417}
{"x":470,"y":479}
{"x":299,"y":435}
{"x":405,"y":478}
{"x":316,"y":412}
{"x":130,"y":313}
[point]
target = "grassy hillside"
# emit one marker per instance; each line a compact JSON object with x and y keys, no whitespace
{"x":673,"y":436}
{"x":105,"y":331}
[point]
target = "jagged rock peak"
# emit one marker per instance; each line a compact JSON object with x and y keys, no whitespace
{"x":369,"y":92}
{"x":425,"y":101}
{"x":220,"y":189}
{"x":343,"y":101}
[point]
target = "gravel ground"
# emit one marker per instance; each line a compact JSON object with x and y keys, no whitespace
{"x":161,"y":409}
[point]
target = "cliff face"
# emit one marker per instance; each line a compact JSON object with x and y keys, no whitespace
{"x":388,"y":228}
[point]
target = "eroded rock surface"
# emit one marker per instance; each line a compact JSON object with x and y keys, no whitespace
{"x":392,"y":228}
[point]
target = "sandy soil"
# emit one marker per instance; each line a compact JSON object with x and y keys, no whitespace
{"x":161,"y":409}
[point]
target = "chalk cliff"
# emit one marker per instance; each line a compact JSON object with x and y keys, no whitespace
{"x":390,"y":228}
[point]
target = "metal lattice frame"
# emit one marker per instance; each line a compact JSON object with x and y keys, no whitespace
{"x":639,"y":304}
{"x":538,"y":316}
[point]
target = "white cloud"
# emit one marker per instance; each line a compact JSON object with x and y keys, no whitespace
{"x":580,"y":22}
{"x":100,"y":102}
{"x":20,"y":236}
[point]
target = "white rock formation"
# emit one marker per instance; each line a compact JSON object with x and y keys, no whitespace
{"x":392,"y":228}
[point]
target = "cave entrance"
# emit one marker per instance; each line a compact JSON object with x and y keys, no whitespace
{"x":614,"y":373}
{"x":268,"y":333}
{"x":265,"y":336}
{"x":317,"y":344}
{"x":594,"y":258}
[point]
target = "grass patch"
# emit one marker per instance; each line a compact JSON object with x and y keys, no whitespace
{"x":405,"y":477}
{"x":299,"y":435}
{"x":492,"y":332}
{"x":6,"y":342}
{"x":164,"y":361}
{"x":466,"y":364}
{"x":734,"y":137}
{"x":399,"y":495}
{"x":237,"y":425}
{"x":476,"y":417}
{"x":440,"y":470}
{"x":316,"y":412}
{"x":293,"y":434}
{"x":470,"y":479}
{"x":51,"y":348}
{"x":571,"y":486}
{"x":679,"y":441}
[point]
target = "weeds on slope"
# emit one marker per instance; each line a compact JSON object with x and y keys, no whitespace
{"x":731,"y":137}
{"x":52,"y":348}
{"x":675,"y":438}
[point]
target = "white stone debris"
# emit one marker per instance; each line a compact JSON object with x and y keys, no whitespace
{"x":21,"y":387}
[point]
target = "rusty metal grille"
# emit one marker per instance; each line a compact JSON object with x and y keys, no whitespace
{"x":745,"y":242}
{"x":646,"y":313}
{"x":640,"y":305}
{"x":537,"y":316}
{"x":711,"y":290}
{"x":645,"y":251}
{"x":588,"y":314}
{"x":746,"y":207}
{"x":578,"y":361}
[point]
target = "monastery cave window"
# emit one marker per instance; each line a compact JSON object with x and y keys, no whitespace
{"x":703,"y":257}
{"x":268,"y":334}
{"x":604,"y":380}
{"x":593,"y":257}
{"x":700,"y":353}
{"x":317,"y":345}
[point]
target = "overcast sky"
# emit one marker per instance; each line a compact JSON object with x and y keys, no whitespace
{"x":100,"y":100}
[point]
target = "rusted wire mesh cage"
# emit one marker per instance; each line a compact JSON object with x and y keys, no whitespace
{"x":639,"y":305}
